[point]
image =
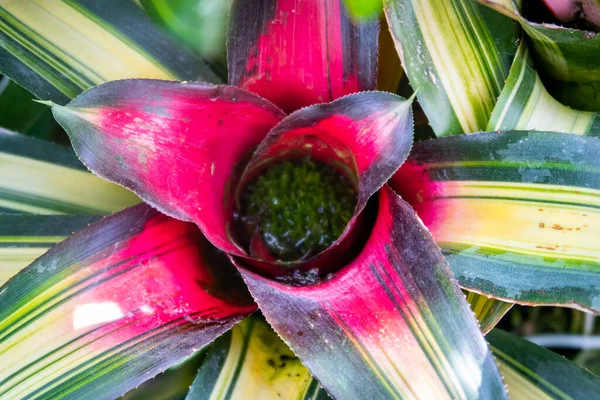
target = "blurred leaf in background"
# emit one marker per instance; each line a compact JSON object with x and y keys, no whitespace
{"x":17,"y":111}
{"x":571,"y":333}
{"x":590,"y":360}
{"x":20,"y":114}
{"x":364,"y":8}
{"x":200,"y":24}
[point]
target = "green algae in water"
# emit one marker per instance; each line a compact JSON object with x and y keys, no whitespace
{"x":299,"y":208}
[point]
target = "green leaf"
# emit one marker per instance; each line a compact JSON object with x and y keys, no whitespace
{"x":114,"y":305}
{"x":457,"y":55}
{"x":526,"y":104}
{"x":569,"y":57}
{"x":23,"y":238}
{"x":532,"y":372}
{"x":57,"y":49}
{"x":364,"y":8}
{"x":198,"y":23}
{"x":252,"y":362}
{"x":174,"y":383}
{"x":17,"y":111}
{"x":38,"y":177}
{"x":488,"y":311}
{"x":517,"y":214}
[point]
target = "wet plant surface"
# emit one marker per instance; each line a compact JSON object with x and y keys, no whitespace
{"x":297,"y":208}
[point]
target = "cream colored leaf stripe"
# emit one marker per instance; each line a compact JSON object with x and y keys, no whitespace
{"x":252,"y":362}
{"x":517,"y":214}
{"x":521,"y":206}
{"x":537,"y":244}
{"x":23,"y":238}
{"x":568,"y":57}
{"x":528,"y":218}
{"x":449,"y":52}
{"x":37,"y":177}
{"x":72,"y":327}
{"x":525,"y":104}
{"x":59,"y":48}
{"x":488,"y":311}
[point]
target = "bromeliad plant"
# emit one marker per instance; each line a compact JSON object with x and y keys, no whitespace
{"x":286,"y":191}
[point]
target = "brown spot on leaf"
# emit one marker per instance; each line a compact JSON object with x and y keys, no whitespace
{"x":545,"y":247}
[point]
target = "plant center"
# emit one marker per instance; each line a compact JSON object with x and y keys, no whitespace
{"x":299,"y":208}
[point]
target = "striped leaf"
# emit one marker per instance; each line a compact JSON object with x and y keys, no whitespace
{"x":38,"y":177}
{"x":23,"y":238}
{"x":526,"y":104}
{"x":176,"y":144}
{"x":569,"y":57}
{"x":488,"y":311}
{"x":252,"y":362}
{"x":391,"y":324}
{"x":114,"y":305}
{"x":457,"y":55}
{"x":59,"y":48}
{"x":532,"y":372}
{"x":517,"y":214}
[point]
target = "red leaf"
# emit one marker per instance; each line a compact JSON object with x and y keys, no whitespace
{"x":391,"y":324}
{"x":369,"y":134}
{"x":138,"y":287}
{"x":176,"y":145}
{"x":366,"y":135}
{"x":300,"y":52}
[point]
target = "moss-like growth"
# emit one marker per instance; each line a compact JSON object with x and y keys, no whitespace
{"x":299,"y":207}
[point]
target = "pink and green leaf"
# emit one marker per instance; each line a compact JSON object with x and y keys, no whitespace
{"x":366,"y":136}
{"x":391,"y":324}
{"x":533,"y":372}
{"x":114,"y":305}
{"x":515,"y":213}
{"x":300,"y":52}
{"x":177,"y":145}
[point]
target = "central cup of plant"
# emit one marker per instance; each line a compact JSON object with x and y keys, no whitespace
{"x":297,"y":208}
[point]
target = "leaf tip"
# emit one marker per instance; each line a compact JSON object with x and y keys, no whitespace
{"x":411,"y":99}
{"x":48,"y":103}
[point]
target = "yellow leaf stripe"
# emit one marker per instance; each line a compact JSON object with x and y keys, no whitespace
{"x":253,"y":362}
{"x":59,"y":48}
